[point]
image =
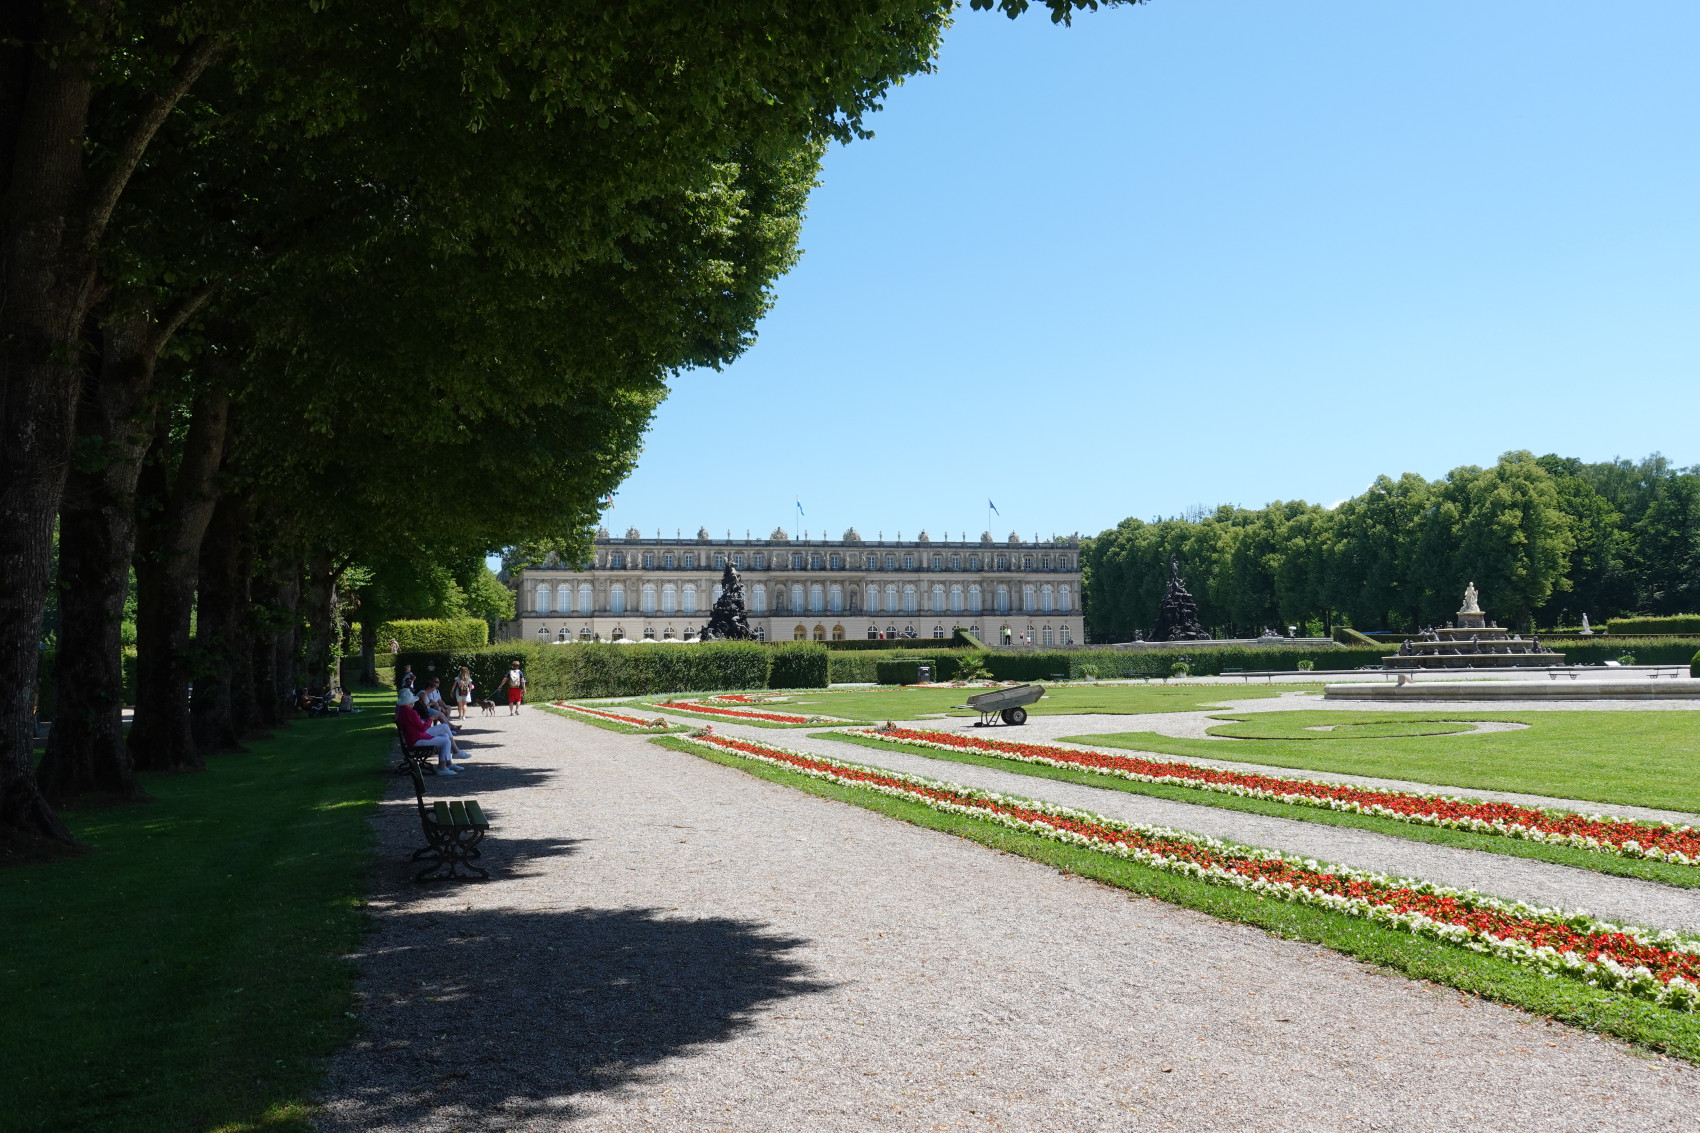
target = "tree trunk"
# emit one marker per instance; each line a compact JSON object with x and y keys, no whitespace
{"x":266,"y":604}
{"x":46,"y":281}
{"x":321,"y":618}
{"x":220,"y":610}
{"x":97,"y":539}
{"x":244,"y":703}
{"x":368,"y":653}
{"x":167,"y":559}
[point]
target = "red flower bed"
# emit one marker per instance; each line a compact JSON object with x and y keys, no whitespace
{"x":732,"y":713}
{"x":1660,"y":841}
{"x":606,"y":715}
{"x":1663,"y":967}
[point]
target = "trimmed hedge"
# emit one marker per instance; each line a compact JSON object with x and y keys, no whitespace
{"x":554,"y":672}
{"x":887,"y":645}
{"x":1676,"y":624}
{"x":800,"y":664}
{"x":433,"y":635}
{"x":905,"y":670}
{"x":1694,"y":666}
{"x":1647,"y":650}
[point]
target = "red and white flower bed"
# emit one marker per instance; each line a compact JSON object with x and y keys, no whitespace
{"x":1599,"y":833}
{"x":617,"y":717}
{"x":1663,"y":967}
{"x":743,"y":713}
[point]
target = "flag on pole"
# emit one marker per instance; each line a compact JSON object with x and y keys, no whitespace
{"x":993,"y":506}
{"x":800,"y":510}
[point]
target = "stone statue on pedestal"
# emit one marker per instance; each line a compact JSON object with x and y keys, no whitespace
{"x":1177,"y":617}
{"x":729,"y":621}
{"x":1470,"y":615}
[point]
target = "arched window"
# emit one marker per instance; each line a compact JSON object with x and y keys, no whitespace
{"x":891,"y":599}
{"x":543,"y":633}
{"x":890,"y":632}
{"x":669,"y":600}
{"x":646,"y":598}
{"x":938,"y":631}
{"x":838,"y":633}
{"x":797,"y":598}
{"x":586,"y":598}
{"x":688,"y":603}
{"x":564,"y":598}
{"x":1047,"y":599}
{"x":974,"y":599}
{"x":718,"y":591}
{"x":873,"y":599}
{"x":1062,"y":599}
{"x":817,"y":598}
{"x":799,"y":634}
{"x":1027,"y":598}
{"x":617,"y":598}
{"x":761,"y":633}
{"x":1067,"y":636}
{"x":820,"y":633}
{"x":1045,"y":636}
{"x":956,"y":599}
{"x":1003,"y":599}
{"x":616,"y":634}
{"x":873,"y":632}
{"x":561,"y":634}
{"x":835,"y":599}
{"x":909,"y":599}
{"x":649,"y":633}
{"x":938,"y":598}
{"x":584,"y":634}
{"x":758,"y":598}
{"x":542,"y":602}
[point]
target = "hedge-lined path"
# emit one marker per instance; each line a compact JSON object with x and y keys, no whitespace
{"x":1193,"y":725}
{"x":1626,"y":899}
{"x":669,"y":944}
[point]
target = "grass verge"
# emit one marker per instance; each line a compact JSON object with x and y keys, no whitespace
{"x":1667,"y":873}
{"x":190,"y":971}
{"x":1568,"y":1001}
{"x":612,"y":725}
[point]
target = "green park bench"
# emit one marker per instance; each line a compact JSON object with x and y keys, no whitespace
{"x":453,"y":830}
{"x":413,"y":756}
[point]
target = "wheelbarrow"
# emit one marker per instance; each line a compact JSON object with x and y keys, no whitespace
{"x":1005,"y":703}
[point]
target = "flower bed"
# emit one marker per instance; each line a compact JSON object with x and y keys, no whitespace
{"x":1663,"y":967}
{"x":1599,"y":833}
{"x":735,"y":713}
{"x":604,"y":714}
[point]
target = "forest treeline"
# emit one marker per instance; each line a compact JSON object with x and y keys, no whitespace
{"x":304,"y":308}
{"x":1545,"y":539}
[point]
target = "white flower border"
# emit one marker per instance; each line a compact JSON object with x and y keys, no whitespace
{"x":1630,"y":849}
{"x":609,"y":717}
{"x":1679,"y":994}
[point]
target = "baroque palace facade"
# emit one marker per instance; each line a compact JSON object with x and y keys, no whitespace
{"x":1011,"y":593}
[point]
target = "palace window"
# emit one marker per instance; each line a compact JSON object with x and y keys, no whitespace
{"x":1027,"y":598}
{"x":1044,"y":562}
{"x":797,"y":597}
{"x":760,"y":561}
{"x":1045,"y":637}
{"x":1026,"y":562}
{"x":891,"y":599}
{"x":646,"y":601}
{"x":836,"y":562}
{"x":1067,"y":636}
{"x":543,"y":634}
{"x":585,"y":598}
{"x":717,"y":593}
{"x":891,"y":562}
{"x":817,"y":598}
{"x":667,"y":634}
{"x":938,"y":562}
{"x":617,"y":598}
{"x":1003,"y":599}
{"x":617,"y":634}
{"x":649,"y":633}
{"x":909,"y":599}
{"x":938,"y":599}
{"x":820,"y":633}
{"x":737,"y":561}
{"x":617,"y":561}
{"x":1062,"y":599}
{"x":873,"y":562}
{"x":835,"y":599}
{"x":873,"y":634}
{"x":814,"y":562}
{"x":799,"y":634}
{"x":542,"y":601}
{"x":688,"y":603}
{"x":1003,"y":562}
{"x":669,"y":599}
{"x":938,"y":631}
{"x":973,"y":562}
{"x":564,"y":598}
{"x":908,"y":562}
{"x":890,"y":632}
{"x":956,"y":599}
{"x":719,"y":562}
{"x":649,"y":561}
{"x":956,"y":562}
{"x":761,"y":633}
{"x":1062,"y":562}
{"x":584,"y":634}
{"x":973,"y":599}
{"x":1047,"y":599}
{"x":796,"y":562}
{"x":758,"y":598}
{"x":873,"y":599}
{"x":838,"y":633}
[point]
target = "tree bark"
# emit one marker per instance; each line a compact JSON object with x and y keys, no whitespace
{"x":220,"y":644}
{"x":173,"y":523}
{"x":321,"y":617}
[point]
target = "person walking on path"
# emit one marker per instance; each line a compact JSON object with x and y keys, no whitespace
{"x":414,"y":733}
{"x":463,"y":690}
{"x":514,"y":682}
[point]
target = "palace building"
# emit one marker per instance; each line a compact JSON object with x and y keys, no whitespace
{"x":1009,"y":594}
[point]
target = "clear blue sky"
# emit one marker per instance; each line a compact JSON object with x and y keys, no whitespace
{"x":1206,"y":251}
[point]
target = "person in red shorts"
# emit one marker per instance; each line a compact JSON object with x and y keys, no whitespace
{"x":514,"y":682}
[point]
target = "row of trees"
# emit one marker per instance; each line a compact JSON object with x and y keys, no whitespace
{"x":1545,"y":539}
{"x":304,"y":302}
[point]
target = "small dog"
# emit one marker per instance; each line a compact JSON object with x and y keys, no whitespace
{"x":489,"y":707}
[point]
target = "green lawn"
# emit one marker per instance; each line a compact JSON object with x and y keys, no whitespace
{"x":1568,"y":1000}
{"x":187,"y":973}
{"x":1635,"y":758}
{"x":891,"y":703}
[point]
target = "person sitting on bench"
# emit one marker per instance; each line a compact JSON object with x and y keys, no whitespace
{"x":433,"y":701}
{"x":414,"y":733}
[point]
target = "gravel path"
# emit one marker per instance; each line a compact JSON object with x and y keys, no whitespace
{"x":672,"y":945}
{"x":1623,"y":899}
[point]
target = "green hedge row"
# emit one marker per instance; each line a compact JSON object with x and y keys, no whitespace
{"x":558,"y":671}
{"x":799,"y":664}
{"x":47,"y":683}
{"x":424,"y":635}
{"x":1679,"y":623}
{"x":1646,"y":650}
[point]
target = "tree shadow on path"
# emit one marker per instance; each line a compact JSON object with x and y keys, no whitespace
{"x":490,"y":1018}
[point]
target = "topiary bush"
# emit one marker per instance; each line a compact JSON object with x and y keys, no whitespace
{"x":418,"y":635}
{"x":799,"y":664}
{"x":555,"y":672}
{"x":1694,"y":666}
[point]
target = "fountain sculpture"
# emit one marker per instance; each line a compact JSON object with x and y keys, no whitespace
{"x":728,"y":621}
{"x":1177,"y":617}
{"x":1472,"y":643}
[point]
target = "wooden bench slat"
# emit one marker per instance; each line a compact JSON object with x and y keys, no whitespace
{"x":475,"y":815}
{"x":457,"y":811}
{"x":440,"y":811}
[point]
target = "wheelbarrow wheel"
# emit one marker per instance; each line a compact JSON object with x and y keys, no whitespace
{"x":1015,"y":715}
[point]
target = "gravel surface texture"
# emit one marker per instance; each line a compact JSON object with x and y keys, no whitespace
{"x":668,"y":944}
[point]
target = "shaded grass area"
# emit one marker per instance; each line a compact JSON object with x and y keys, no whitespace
{"x":187,"y":973}
{"x":1683,"y":877}
{"x":611,"y":725}
{"x":1569,"y":1001}
{"x":1645,"y":758}
{"x":911,"y":703}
